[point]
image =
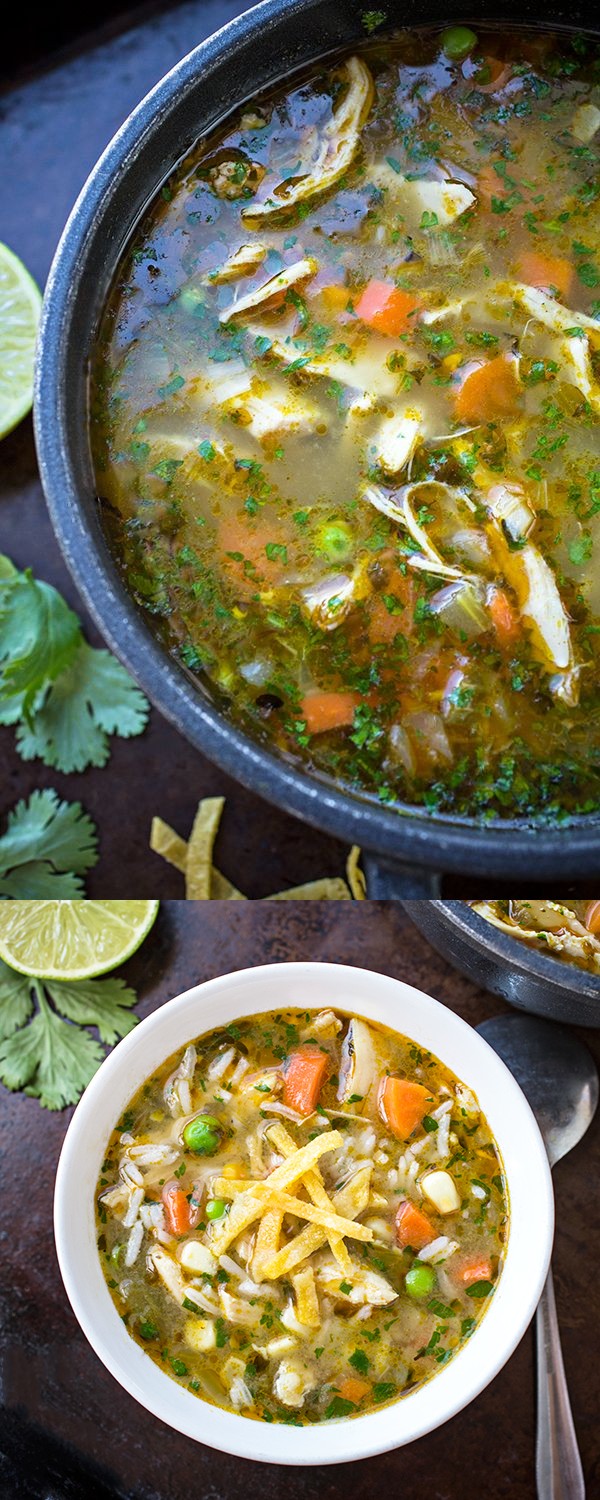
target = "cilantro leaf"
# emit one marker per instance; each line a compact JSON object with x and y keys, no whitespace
{"x":49,"y":1059}
{"x":104,"y":1003}
{"x":93,"y":698}
{"x":64,"y":696}
{"x":53,"y":1056}
{"x":16,"y":1003}
{"x":39,"y":636}
{"x":47,"y":846}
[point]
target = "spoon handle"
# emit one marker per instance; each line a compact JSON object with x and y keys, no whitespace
{"x":557,"y":1463}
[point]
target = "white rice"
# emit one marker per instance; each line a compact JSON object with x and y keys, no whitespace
{"x":130,"y":1173}
{"x":134,"y":1243}
{"x":438,"y":1250}
{"x":239,"y":1394}
{"x":238,"y":1073}
{"x":229,"y":1264}
{"x":220,"y":1064}
{"x":150,"y":1155}
{"x":135,"y":1203}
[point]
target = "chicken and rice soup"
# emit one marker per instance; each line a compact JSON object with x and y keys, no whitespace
{"x":302,"y":1217}
{"x":344,"y":418}
{"x":566,"y":930}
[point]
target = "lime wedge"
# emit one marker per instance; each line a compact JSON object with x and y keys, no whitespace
{"x":72,"y":939}
{"x":20,"y":303}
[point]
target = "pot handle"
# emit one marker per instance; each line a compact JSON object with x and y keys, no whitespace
{"x":389,"y":881}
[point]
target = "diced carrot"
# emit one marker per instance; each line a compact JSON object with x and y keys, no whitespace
{"x":413,"y":1227}
{"x":402,"y":1105}
{"x":474,"y":1270}
{"x":387,"y":308}
{"x":592,"y":917}
{"x":490,"y":392}
{"x":353,"y":1389}
{"x":324,"y":711}
{"x":546,"y":271}
{"x":242,"y":543}
{"x":305,"y":1073}
{"x":176,"y":1208}
{"x":504,"y":618}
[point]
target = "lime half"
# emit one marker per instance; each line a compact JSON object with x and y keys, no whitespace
{"x":72,"y":939}
{"x":20,"y":303}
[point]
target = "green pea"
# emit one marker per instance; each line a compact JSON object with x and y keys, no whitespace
{"x":203,"y":1135}
{"x":335,"y":540}
{"x":419,"y":1281}
{"x":215,"y":1208}
{"x":458,"y":42}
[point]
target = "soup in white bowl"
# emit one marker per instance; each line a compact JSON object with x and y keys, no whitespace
{"x":377,"y":1346}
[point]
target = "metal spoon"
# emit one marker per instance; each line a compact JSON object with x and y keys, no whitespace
{"x":559,"y":1078}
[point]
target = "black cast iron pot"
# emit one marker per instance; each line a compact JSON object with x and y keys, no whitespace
{"x":524,"y":976}
{"x":409,"y":847}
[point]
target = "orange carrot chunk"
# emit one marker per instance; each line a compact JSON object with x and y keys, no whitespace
{"x":176,"y":1206}
{"x":490,"y":392}
{"x":387,"y":308}
{"x":353,"y":1389}
{"x":413,"y":1227}
{"x":546,"y":272}
{"x":474,"y":1270}
{"x":305,"y":1073}
{"x":504,"y":618}
{"x":592,"y":917}
{"x":402,"y":1105}
{"x":323,"y":711}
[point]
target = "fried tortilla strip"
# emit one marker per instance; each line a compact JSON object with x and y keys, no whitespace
{"x":198,"y":868}
{"x":327,"y":889}
{"x":221,"y":889}
{"x":267,"y":1242}
{"x":315,"y":1187}
{"x":308,"y":1311}
{"x":302,"y":1209}
{"x":166,"y":842}
{"x":356,"y":878}
{"x":351,"y":1200}
{"x":249,"y":1205}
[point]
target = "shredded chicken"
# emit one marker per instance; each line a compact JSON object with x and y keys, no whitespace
{"x":276,"y":286}
{"x":338,"y":145}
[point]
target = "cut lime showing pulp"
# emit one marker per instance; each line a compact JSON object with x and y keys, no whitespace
{"x":20,"y":303}
{"x":72,"y":939}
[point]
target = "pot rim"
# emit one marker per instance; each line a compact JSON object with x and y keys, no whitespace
{"x":407,"y":833}
{"x":485,"y":938}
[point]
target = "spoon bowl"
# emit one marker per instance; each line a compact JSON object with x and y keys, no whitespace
{"x":560,"y":1080}
{"x":556,"y":1072}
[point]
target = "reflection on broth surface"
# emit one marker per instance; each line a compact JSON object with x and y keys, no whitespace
{"x":302,"y":1217}
{"x":345,"y":419}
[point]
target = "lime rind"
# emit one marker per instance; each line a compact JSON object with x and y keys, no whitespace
{"x":20,"y":305}
{"x":72,"y":940}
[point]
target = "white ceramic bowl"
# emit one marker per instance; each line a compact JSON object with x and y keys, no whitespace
{"x":379,"y":998}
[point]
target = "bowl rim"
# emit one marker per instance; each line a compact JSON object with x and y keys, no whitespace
{"x":228,"y":997}
{"x":461,"y":917}
{"x":413,"y":833}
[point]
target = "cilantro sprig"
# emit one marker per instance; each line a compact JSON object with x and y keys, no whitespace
{"x":63,"y":696}
{"x":46,"y":1047}
{"x":48,"y":845}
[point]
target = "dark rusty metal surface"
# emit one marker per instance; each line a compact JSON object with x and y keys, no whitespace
{"x":68,"y":1432}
